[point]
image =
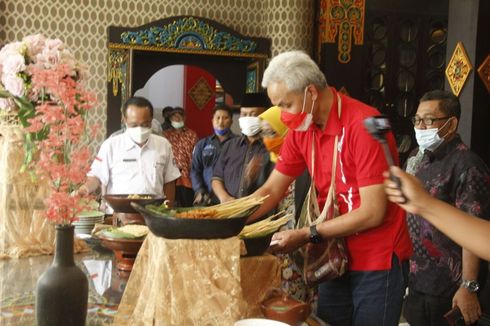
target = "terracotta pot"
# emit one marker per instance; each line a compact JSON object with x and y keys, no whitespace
{"x":125,"y":251}
{"x":62,"y":291}
{"x":279,"y":306}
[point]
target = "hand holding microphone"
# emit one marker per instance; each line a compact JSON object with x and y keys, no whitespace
{"x":378,"y":127}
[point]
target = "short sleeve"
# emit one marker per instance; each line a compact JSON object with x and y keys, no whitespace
{"x":219,"y":168}
{"x":368,"y":155}
{"x":100,"y":166}
{"x":473,"y":189}
{"x":290,"y":161}
{"x":171,"y":171}
{"x":197,"y":167}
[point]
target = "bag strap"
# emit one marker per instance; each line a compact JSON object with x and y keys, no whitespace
{"x":330,"y":209}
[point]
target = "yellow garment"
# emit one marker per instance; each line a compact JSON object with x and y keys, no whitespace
{"x":273,"y":117}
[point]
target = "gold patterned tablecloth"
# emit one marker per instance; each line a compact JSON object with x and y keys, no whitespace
{"x":195,"y":282}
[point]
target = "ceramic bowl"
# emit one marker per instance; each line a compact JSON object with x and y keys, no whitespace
{"x":122,"y":204}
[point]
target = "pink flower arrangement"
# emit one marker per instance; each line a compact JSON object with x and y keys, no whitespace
{"x":40,"y":80}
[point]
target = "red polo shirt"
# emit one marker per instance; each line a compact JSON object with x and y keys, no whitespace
{"x":361,"y":163}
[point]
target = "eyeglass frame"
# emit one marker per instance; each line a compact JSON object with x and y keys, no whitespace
{"x":416,"y":122}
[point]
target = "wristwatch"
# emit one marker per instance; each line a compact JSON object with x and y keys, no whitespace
{"x":470,"y":285}
{"x":314,"y":236}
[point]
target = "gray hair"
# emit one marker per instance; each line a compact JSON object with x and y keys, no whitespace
{"x":295,"y":69}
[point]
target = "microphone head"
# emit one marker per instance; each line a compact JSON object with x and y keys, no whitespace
{"x":377,"y":126}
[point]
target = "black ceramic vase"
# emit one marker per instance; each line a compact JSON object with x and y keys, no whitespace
{"x":62,"y":291}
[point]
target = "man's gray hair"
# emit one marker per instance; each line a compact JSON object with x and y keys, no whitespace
{"x":295,"y":69}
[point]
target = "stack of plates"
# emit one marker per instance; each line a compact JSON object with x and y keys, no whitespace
{"x":87,"y":220}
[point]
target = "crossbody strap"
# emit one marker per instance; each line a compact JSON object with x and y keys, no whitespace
{"x":331,"y":204}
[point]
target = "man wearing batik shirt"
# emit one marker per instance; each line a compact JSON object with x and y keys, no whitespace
{"x":183,"y":141}
{"x":442,"y":274}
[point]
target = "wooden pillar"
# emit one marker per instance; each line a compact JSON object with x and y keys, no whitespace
{"x":469,"y":23}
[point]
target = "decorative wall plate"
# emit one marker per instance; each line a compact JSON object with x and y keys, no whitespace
{"x":484,"y":72}
{"x":458,"y":69}
{"x":201,"y":93}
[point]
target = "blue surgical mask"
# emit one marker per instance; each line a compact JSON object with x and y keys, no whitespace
{"x":221,"y":132}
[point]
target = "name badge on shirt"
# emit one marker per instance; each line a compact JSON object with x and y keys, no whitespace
{"x":129,"y":160}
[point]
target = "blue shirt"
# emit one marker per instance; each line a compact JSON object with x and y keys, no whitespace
{"x":204,"y":157}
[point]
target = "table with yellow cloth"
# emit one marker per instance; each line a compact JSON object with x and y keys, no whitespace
{"x":195,"y":282}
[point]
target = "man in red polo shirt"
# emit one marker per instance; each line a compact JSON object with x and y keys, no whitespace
{"x":371,"y":292}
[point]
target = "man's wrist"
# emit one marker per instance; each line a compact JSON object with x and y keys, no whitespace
{"x":313,"y":235}
{"x":471,"y":285}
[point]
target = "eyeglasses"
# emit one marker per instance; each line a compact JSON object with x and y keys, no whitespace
{"x":427,"y":121}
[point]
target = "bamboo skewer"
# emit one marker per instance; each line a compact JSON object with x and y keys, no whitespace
{"x":265,"y":226}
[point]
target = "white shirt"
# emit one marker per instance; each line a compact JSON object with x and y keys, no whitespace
{"x":126,"y":168}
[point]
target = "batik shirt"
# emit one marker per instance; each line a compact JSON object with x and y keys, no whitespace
{"x":183,"y":142}
{"x":459,"y":177}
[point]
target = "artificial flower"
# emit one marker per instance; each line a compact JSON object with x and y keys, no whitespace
{"x":41,"y":80}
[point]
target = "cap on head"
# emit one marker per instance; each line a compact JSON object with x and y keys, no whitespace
{"x":254,"y":100}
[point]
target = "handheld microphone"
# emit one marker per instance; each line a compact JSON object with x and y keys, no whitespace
{"x":378,"y":127}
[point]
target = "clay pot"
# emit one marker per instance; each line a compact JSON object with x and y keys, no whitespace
{"x":279,"y":306}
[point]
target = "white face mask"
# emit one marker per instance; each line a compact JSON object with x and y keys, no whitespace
{"x":139,"y":134}
{"x":250,"y":126}
{"x":177,"y":124}
{"x":429,"y":139}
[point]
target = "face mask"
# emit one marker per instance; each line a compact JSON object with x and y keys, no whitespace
{"x":273,"y":144}
{"x":429,"y":139}
{"x":298,"y":121}
{"x":177,"y":124}
{"x":221,"y":132}
{"x":139,"y":134}
{"x":250,"y":126}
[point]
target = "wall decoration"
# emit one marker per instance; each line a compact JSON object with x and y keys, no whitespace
{"x":188,"y":33}
{"x":117,"y":70}
{"x":458,"y":69}
{"x":343,"y":19}
{"x":484,"y":72}
{"x":252,"y":78}
{"x":201,"y":93}
{"x":82,"y":25}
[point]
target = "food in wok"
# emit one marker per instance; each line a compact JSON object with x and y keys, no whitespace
{"x":214,"y":222}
